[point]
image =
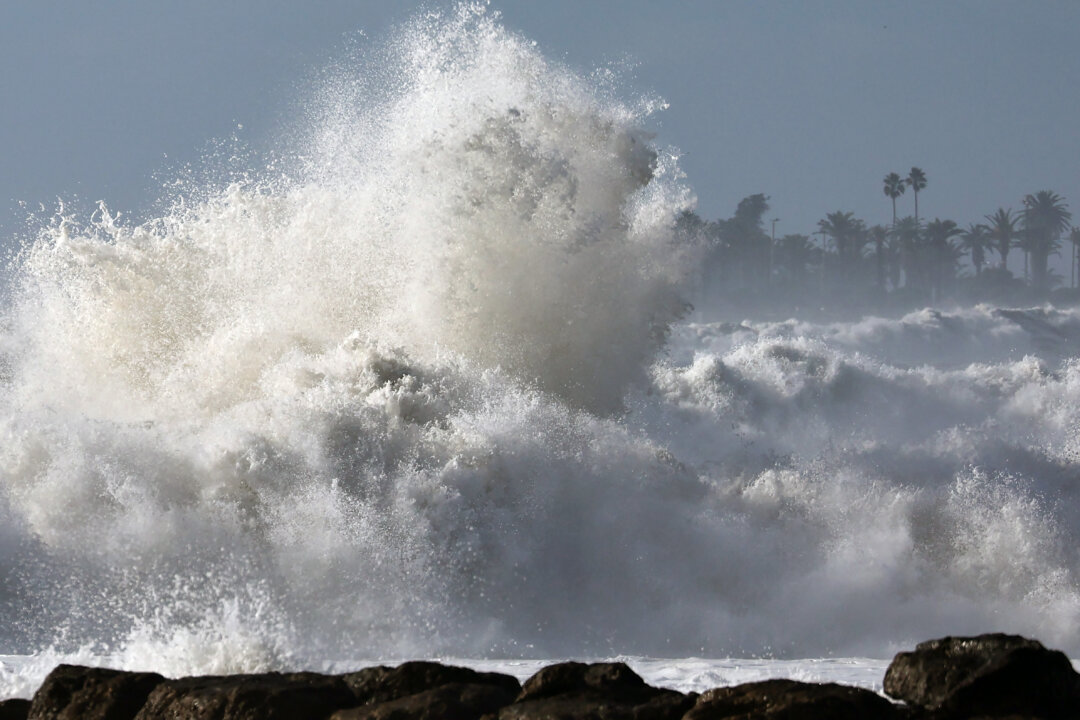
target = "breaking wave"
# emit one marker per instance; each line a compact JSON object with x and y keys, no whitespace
{"x":432,"y":391}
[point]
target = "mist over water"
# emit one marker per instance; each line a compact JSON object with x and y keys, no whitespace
{"x":434,"y":389}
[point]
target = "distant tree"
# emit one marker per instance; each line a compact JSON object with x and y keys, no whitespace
{"x":843,"y":228}
{"x":976,"y":239}
{"x":1003,"y":233}
{"x":893,"y":258}
{"x":1074,"y":240}
{"x":751,"y":210}
{"x":794,"y":255}
{"x":704,"y":237}
{"x":894,"y":188}
{"x":689,"y":223}
{"x":1024,"y":243}
{"x":860,"y":239}
{"x":943,"y":254}
{"x":878,"y":235}
{"x":1044,"y":218}
{"x":744,"y":245}
{"x":907,"y":234}
{"x":917,"y":180}
{"x":749,"y":224}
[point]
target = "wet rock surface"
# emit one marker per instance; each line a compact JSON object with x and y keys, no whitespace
{"x":792,"y":700}
{"x":455,"y":701}
{"x":383,"y":684}
{"x":71,"y":692}
{"x":14,"y":709}
{"x":274,"y":696}
{"x":600,"y":690}
{"x":988,"y":676}
{"x":991,"y":675}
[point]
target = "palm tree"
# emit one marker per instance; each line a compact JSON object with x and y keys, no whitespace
{"x":894,"y":188}
{"x":917,"y":180}
{"x":844,"y":229}
{"x":939,"y":235}
{"x":893,"y":259}
{"x":878,"y":234}
{"x":976,"y":239}
{"x":907,"y":234}
{"x":1044,"y":218}
{"x":1003,"y":233}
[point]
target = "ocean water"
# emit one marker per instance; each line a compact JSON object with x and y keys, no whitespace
{"x":20,"y":676}
{"x":429,"y":386}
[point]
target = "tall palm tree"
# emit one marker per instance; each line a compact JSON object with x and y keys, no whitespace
{"x":917,"y":180}
{"x":976,"y":239}
{"x":1044,"y":218}
{"x":1003,"y":233}
{"x":894,"y":188}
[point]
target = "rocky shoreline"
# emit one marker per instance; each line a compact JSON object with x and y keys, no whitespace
{"x":988,"y":676}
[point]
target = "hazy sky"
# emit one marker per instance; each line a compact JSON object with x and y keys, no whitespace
{"x":811,"y":103}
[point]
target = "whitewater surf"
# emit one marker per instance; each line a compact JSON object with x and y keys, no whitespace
{"x":435,"y":389}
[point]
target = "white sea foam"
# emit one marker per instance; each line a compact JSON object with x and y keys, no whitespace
{"x":428,"y":393}
{"x":20,"y":676}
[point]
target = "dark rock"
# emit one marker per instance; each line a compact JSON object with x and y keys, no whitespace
{"x":382,"y":684}
{"x":364,"y":683}
{"x":990,"y":675}
{"x":665,"y":705}
{"x":792,"y":700}
{"x":268,"y":696}
{"x":446,"y":702}
{"x":73,"y":692}
{"x":14,"y":709}
{"x":591,"y":706}
{"x":601,"y":691}
{"x":569,"y":677}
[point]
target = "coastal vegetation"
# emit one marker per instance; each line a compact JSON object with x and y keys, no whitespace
{"x":1003,"y":257}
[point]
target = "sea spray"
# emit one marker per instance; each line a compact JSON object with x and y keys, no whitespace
{"x":427,"y":392}
{"x":268,"y":394}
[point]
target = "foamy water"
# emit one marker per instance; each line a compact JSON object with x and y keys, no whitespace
{"x":20,"y":676}
{"x":433,"y":391}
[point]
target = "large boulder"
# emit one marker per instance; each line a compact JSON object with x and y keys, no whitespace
{"x":267,"y":696}
{"x":592,"y":706}
{"x":383,"y":684}
{"x":572,"y":677}
{"x":73,"y":692}
{"x":599,"y":691}
{"x":989,"y":675}
{"x":791,"y":700}
{"x":446,"y":702}
{"x":14,"y":709}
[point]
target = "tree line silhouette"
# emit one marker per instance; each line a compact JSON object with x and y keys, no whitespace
{"x":908,"y":263}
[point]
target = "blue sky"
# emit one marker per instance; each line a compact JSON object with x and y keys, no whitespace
{"x":811,"y":103}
